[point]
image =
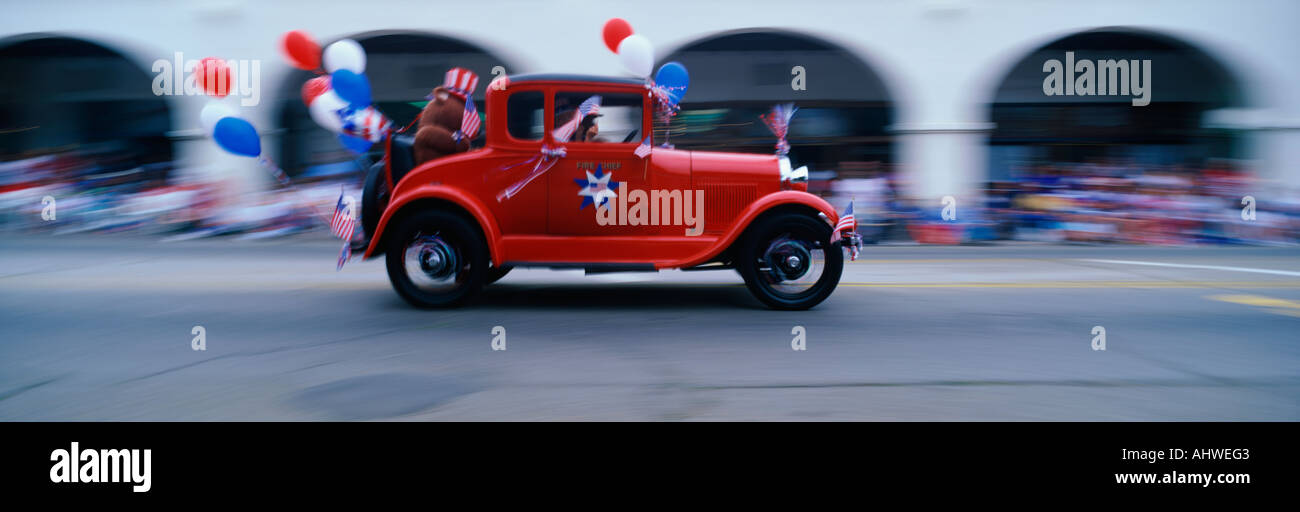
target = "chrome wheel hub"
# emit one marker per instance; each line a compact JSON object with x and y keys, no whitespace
{"x":431,"y":262}
{"x":792,"y":266}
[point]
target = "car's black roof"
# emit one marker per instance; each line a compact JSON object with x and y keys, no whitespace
{"x":539,"y":77}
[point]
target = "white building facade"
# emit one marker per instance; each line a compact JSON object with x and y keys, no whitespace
{"x":940,"y":62}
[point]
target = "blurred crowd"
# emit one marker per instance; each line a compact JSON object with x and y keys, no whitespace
{"x":104,"y":190}
{"x":1090,"y":202}
{"x":1101,"y":201}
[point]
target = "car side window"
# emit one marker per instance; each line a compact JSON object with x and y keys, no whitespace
{"x":525,"y":113}
{"x":597,"y":117}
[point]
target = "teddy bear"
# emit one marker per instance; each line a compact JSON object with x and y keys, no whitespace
{"x":439,"y":132}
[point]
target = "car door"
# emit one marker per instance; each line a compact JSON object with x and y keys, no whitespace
{"x":586,"y":188}
{"x":511,"y":161}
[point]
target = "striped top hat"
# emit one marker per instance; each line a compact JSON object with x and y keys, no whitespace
{"x":461,"y":82}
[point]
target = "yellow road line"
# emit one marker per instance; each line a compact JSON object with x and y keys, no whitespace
{"x":1270,"y":304}
{"x":1256,"y":300}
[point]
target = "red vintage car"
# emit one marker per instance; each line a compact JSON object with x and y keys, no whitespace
{"x":543,"y":192}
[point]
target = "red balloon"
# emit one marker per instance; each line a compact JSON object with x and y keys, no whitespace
{"x":616,"y":29}
{"x":212,"y":75}
{"x":301,"y":50}
{"x":313,"y":88}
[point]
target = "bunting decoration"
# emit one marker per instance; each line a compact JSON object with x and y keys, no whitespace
{"x":779,"y":122}
{"x":544,"y":161}
{"x":367,"y":124}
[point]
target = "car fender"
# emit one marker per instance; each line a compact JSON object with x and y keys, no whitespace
{"x":753,"y":211}
{"x":480,"y":213}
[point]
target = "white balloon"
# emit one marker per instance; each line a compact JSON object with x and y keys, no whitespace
{"x":637,"y":55}
{"x":212,"y":112}
{"x":346,"y":54}
{"x":325,"y":111}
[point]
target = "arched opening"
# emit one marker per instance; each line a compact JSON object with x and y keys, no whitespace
{"x":85,"y":109}
{"x":737,"y":76}
{"x":402,"y":68}
{"x":1108,"y":136}
{"x":1096,"y":122}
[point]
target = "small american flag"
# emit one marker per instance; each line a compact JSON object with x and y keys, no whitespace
{"x":643,"y":150}
{"x":588,"y":107}
{"x":469,"y":122}
{"x":342,"y":224}
{"x":344,"y":255}
{"x":847,"y":223}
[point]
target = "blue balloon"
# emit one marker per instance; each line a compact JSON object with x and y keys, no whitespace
{"x":237,"y":136}
{"x":674,"y":78}
{"x":356,"y":145}
{"x":352,"y":87}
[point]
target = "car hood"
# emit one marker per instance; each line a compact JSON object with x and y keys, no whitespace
{"x":713,"y":166}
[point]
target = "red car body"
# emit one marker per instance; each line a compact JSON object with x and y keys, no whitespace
{"x":542,"y":225}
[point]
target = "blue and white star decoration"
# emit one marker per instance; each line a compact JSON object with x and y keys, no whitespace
{"x":597,"y":188}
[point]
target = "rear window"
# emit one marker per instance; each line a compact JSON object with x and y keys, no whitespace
{"x":524,"y":115}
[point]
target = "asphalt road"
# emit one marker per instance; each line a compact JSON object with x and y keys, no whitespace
{"x":100,"y":328}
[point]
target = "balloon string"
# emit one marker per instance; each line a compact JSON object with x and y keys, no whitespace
{"x":297,"y":193}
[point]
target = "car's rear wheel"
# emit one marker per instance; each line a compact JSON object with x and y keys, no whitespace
{"x":788,"y":262}
{"x":437,"y":259}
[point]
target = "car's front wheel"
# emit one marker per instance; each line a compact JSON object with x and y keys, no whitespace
{"x":437,"y":259}
{"x":788,"y":262}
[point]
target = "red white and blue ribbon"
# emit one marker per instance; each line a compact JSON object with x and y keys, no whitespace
{"x":368,"y":123}
{"x":665,"y":105}
{"x":665,"y":99}
{"x":344,"y":255}
{"x":545,"y":159}
{"x":275,"y":170}
{"x":779,"y":122}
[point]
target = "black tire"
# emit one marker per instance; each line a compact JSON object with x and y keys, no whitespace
{"x":448,"y":259}
{"x":773,"y":236}
{"x":373,"y":198}
{"x":496,"y":273}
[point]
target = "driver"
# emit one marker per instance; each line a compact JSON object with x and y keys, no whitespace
{"x":587,"y":129}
